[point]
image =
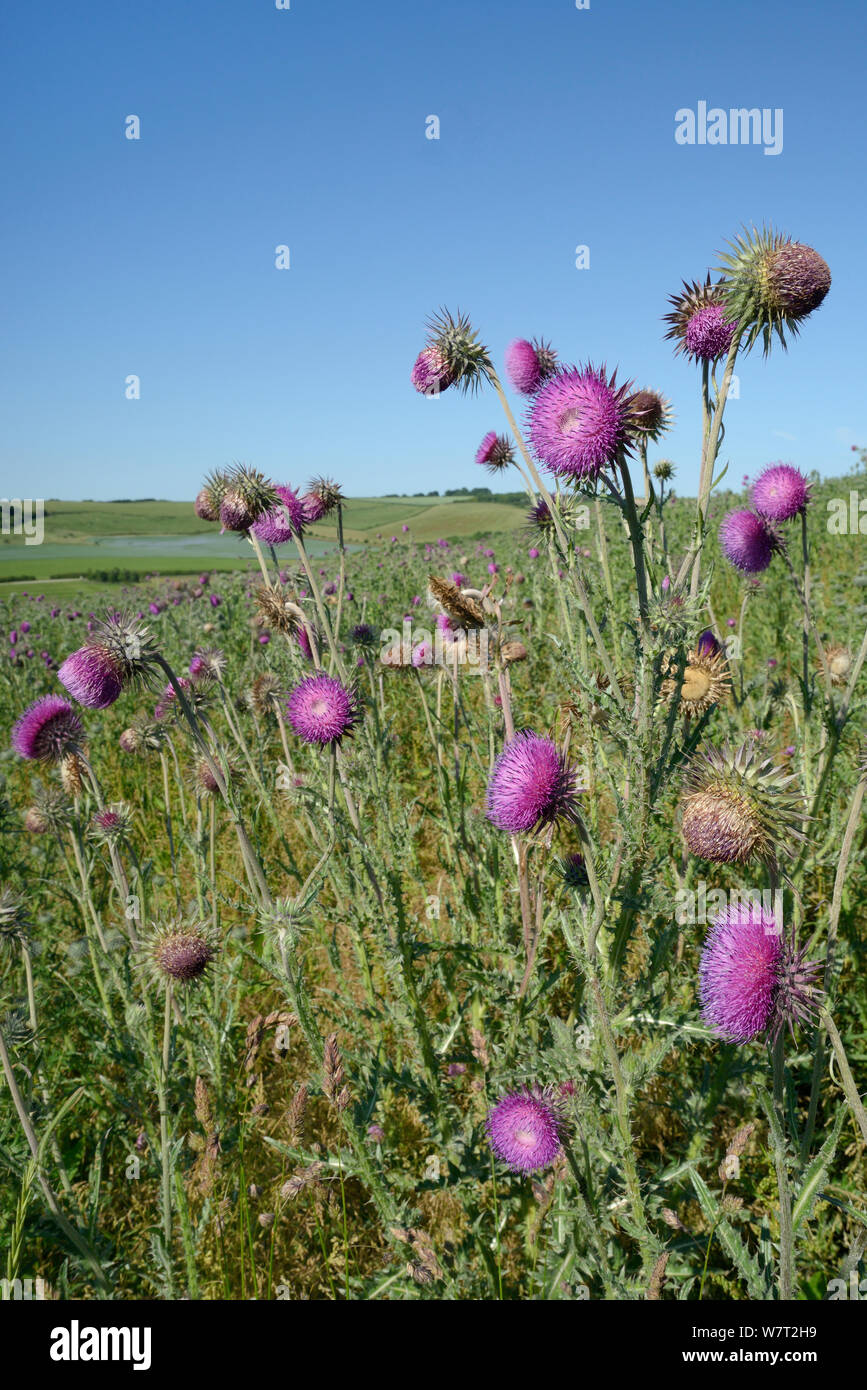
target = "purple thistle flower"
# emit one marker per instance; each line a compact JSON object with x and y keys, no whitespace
{"x":708,"y":333}
{"x":93,"y":676}
{"x":748,"y":542}
{"x":431,"y":373}
{"x":422,"y":654}
{"x":531,"y":784}
{"x":321,"y":710}
{"x":528,"y":365}
{"x":495,"y":452}
{"x":275,"y":527}
{"x":578,"y":421}
{"x":707,"y":644}
{"x":47,"y":730}
{"x":750,"y":977}
{"x":524,"y":1129}
{"x":780,"y":492}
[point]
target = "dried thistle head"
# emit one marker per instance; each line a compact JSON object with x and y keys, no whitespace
{"x":705,"y":682}
{"x":463,"y":609}
{"x":840,"y":664}
{"x":739,"y":806}
{"x":263,"y":692}
{"x":275,"y":610}
{"x":72,"y":775}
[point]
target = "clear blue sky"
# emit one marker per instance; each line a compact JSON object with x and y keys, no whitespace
{"x":307,"y":127}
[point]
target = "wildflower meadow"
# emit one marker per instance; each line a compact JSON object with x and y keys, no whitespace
{"x":470,"y":919}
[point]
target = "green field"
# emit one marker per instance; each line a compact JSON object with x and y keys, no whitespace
{"x":85,"y":539}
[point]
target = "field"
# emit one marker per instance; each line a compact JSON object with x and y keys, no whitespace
{"x":84,"y":538}
{"x":260,"y":1040}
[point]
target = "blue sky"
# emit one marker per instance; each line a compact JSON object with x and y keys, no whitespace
{"x":306,"y":127}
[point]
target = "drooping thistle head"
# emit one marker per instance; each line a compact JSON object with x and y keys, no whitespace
{"x":579,"y":421}
{"x":206,"y":665}
{"x":771,"y":284}
{"x":650,"y":414}
{"x":48,"y":730}
{"x":453,"y":356}
{"x":322,"y":711}
{"x":120,"y":654}
{"x":739,"y":806}
{"x":207,"y":503}
{"x":496,"y":452}
{"x":247,"y":497}
{"x":284,"y":520}
{"x":701,"y":325}
{"x":529,"y":364}
{"x":262,"y":693}
{"x":525,"y":1128}
{"x":322,"y":497}
{"x":748,"y":541}
{"x":752,"y":979}
{"x":143,"y":736}
{"x":178,"y":952}
{"x":531,"y":785}
{"x":780,"y":492}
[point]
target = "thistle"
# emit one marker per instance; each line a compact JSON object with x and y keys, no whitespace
{"x":48,"y":730}
{"x":771,"y":284}
{"x":283,"y":521}
{"x":177,"y":952}
{"x":739,"y":806}
{"x":112,"y":824}
{"x":705,"y":681}
{"x":579,"y":421}
{"x":531,"y":785}
{"x":14,"y":920}
{"x":454,"y":356}
{"x":781,"y":492}
{"x":752,"y":978}
{"x":651,"y":415}
{"x":321,"y":710}
{"x":496,"y":452}
{"x":464,"y":610}
{"x":322,"y":497}
{"x":663,"y":470}
{"x":748,"y":541}
{"x":120,"y":654}
{"x":248,"y":496}
{"x":213,"y":490}
{"x":525,"y":1128}
{"x":700,"y":323}
{"x":840,"y":664}
{"x":276,"y":611}
{"x":529,"y":364}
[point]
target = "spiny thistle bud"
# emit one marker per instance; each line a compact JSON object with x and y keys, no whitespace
{"x":510,"y":652}
{"x":178,"y":952}
{"x":112,"y":824}
{"x":205,"y":781}
{"x":772,"y":284}
{"x":740,"y":806}
{"x":650,"y":414}
{"x":16,"y":1029}
{"x":50,"y":811}
{"x":207,"y":503}
{"x":663,"y":469}
{"x":248,"y":495}
{"x":208,"y":664}
{"x":495,"y":452}
{"x":454,"y":356}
